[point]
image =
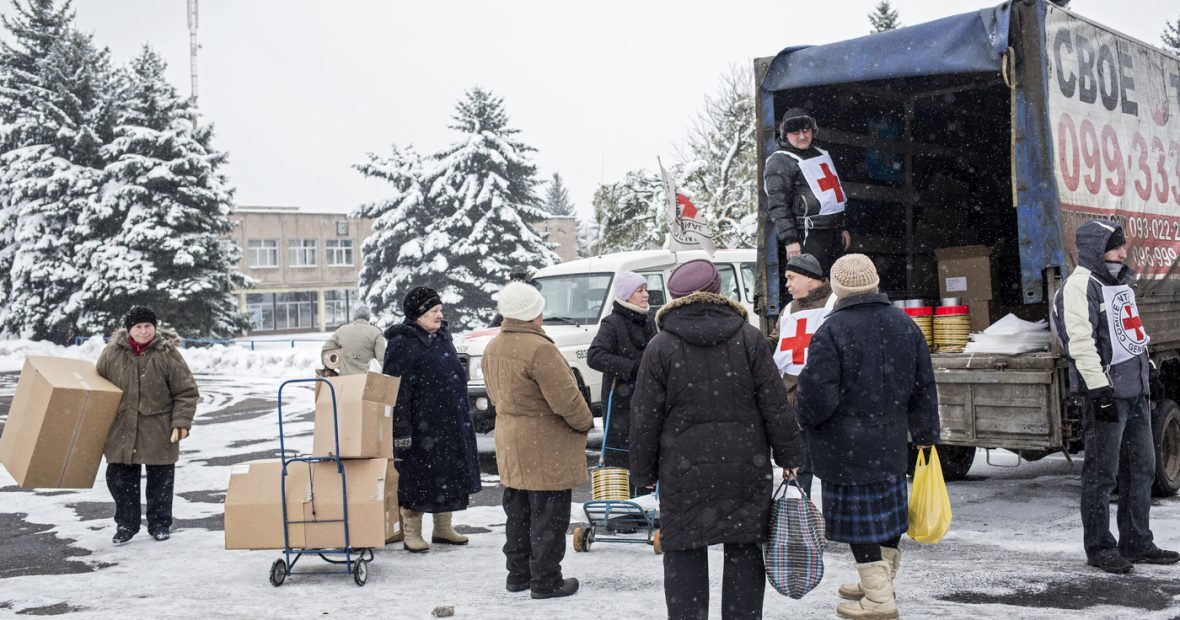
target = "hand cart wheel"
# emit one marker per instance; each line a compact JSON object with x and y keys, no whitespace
{"x":278,"y":572}
{"x":577,"y":540}
{"x":655,"y":543}
{"x":360,"y":572}
{"x":588,"y":534}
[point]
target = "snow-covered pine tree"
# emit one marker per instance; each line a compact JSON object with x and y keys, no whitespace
{"x":557,"y":198}
{"x":392,"y":257}
{"x":720,"y":169}
{"x":484,"y":186}
{"x":50,"y":175}
{"x":587,"y":234}
{"x":884,"y":17}
{"x":160,"y":234}
{"x":631,"y":213}
{"x":1171,"y":36}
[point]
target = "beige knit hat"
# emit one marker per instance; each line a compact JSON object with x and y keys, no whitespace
{"x":520,"y":301}
{"x":854,"y":274}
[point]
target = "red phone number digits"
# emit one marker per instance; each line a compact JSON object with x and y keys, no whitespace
{"x":1094,"y":159}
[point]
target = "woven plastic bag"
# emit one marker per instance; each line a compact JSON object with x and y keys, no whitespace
{"x":930,"y":506}
{"x":794,"y":554}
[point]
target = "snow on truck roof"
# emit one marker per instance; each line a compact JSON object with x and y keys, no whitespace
{"x":639,"y":260}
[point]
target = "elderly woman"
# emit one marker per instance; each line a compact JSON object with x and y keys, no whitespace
{"x":155,"y":414}
{"x":708,"y":416}
{"x":432,"y":430}
{"x":616,"y":351}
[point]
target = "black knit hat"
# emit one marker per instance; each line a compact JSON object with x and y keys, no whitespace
{"x":418,"y":301}
{"x":806,"y":265}
{"x":796,"y":119}
{"x":1116,"y":240}
{"x":140,"y":314}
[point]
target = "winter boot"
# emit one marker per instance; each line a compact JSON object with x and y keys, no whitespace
{"x":891,"y":555}
{"x":412,"y":528}
{"x":879,"y":602}
{"x":443,"y":533}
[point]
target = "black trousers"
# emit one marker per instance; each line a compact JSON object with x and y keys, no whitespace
{"x":123,"y":482}
{"x":535,"y":545}
{"x":743,"y":586}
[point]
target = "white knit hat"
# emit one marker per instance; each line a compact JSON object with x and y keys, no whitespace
{"x":854,"y":274}
{"x":520,"y":301}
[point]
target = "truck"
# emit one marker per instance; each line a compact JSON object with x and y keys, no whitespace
{"x":578,"y":295}
{"x":998,"y":132}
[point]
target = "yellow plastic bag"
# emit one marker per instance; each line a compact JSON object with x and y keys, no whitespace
{"x":930,"y":506}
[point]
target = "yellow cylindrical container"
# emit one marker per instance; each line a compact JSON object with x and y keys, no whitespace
{"x":952,"y":328}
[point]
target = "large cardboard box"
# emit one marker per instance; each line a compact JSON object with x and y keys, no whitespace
{"x":393,"y":522}
{"x":965,"y":272}
{"x":364,"y":416}
{"x":253,"y":508}
{"x":58,"y":423}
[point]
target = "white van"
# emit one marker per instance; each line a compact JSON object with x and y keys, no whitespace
{"x":578,"y":295}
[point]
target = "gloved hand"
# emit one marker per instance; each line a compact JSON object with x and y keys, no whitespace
{"x":1102,"y":401}
{"x":403,"y":443}
{"x":178,"y":434}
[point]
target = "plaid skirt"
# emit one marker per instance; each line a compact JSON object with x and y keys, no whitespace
{"x":866,"y":513}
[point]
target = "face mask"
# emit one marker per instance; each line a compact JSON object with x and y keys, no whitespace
{"x":1115,"y":268}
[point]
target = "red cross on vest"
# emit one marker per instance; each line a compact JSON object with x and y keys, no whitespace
{"x":830,"y":181}
{"x":798,"y":343}
{"x":1133,"y":322}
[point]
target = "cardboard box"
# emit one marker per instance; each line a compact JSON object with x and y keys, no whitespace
{"x":253,"y":508}
{"x":58,"y":424}
{"x":965,"y":272}
{"x":981,"y":314}
{"x":364,"y":416}
{"x":393,"y":521}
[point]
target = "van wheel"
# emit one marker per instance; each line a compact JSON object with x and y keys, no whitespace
{"x":1166,"y":433}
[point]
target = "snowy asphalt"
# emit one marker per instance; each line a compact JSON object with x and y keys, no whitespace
{"x":1014,"y":550}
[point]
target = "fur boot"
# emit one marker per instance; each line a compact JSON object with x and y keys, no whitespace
{"x":879,"y":601}
{"x":412,"y":532}
{"x":853,"y":592}
{"x":444,"y":533}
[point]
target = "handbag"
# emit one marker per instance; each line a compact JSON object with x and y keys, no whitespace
{"x":794,"y":553}
{"x":930,"y":506}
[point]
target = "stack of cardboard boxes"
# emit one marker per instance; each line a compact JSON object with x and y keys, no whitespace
{"x":58,"y":424}
{"x":966,"y":272}
{"x":358,"y":426}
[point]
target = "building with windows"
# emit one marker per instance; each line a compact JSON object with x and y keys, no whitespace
{"x":307,"y":264}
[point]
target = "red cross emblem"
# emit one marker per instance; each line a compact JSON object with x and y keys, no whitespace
{"x":1133,"y":322}
{"x":830,"y":181}
{"x":798,"y":343}
{"x":687,"y":209}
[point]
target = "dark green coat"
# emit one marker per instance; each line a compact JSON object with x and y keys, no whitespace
{"x":159,"y":394}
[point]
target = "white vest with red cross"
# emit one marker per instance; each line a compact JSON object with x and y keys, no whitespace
{"x":820,"y":173}
{"x":794,"y":332}
{"x":1128,"y":339}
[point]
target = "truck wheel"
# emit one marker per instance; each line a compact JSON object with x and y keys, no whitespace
{"x":956,"y":461}
{"x":1166,"y":432}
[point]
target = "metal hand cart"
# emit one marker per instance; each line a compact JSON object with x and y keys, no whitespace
{"x":355,"y":559}
{"x":611,"y":510}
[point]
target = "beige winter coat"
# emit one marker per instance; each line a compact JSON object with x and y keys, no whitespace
{"x":541,"y":417}
{"x":159,"y":394}
{"x":359,"y":342}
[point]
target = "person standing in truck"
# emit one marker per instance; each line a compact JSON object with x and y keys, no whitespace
{"x":1098,"y":326}
{"x":804,"y":198}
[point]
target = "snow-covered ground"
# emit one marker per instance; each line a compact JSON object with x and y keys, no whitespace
{"x":1014,"y":549}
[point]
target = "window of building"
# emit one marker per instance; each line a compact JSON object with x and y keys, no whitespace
{"x":295,"y":310}
{"x":339,"y":252}
{"x":341,"y":228}
{"x":301,"y":252}
{"x":338,"y":305}
{"x":262,"y":253}
{"x":261,"y":307}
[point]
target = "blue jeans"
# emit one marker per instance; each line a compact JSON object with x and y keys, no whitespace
{"x":1119,"y":451}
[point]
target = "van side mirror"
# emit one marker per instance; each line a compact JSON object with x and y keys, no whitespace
{"x":655,"y":298}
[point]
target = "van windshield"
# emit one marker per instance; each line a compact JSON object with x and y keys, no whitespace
{"x":574,"y":299}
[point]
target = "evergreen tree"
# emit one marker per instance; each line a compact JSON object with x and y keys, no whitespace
{"x":720,"y":167}
{"x":484,"y":188}
{"x":587,"y":235}
{"x":631,"y":213}
{"x":51,"y":173}
{"x":1171,"y":36}
{"x":557,"y":198}
{"x":392,"y":257}
{"x":159,"y":234}
{"x":884,"y":17}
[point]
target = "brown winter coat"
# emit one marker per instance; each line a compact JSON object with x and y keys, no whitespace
{"x":359,"y":342}
{"x":159,"y":394}
{"x":541,"y":417}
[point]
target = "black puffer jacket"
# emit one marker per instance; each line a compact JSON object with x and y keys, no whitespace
{"x":868,"y":381}
{"x":709,"y":410}
{"x":788,"y":197}
{"x":617,"y":348}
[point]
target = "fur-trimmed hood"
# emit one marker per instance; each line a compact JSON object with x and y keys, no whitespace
{"x":702,"y":319}
{"x":165,"y":339}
